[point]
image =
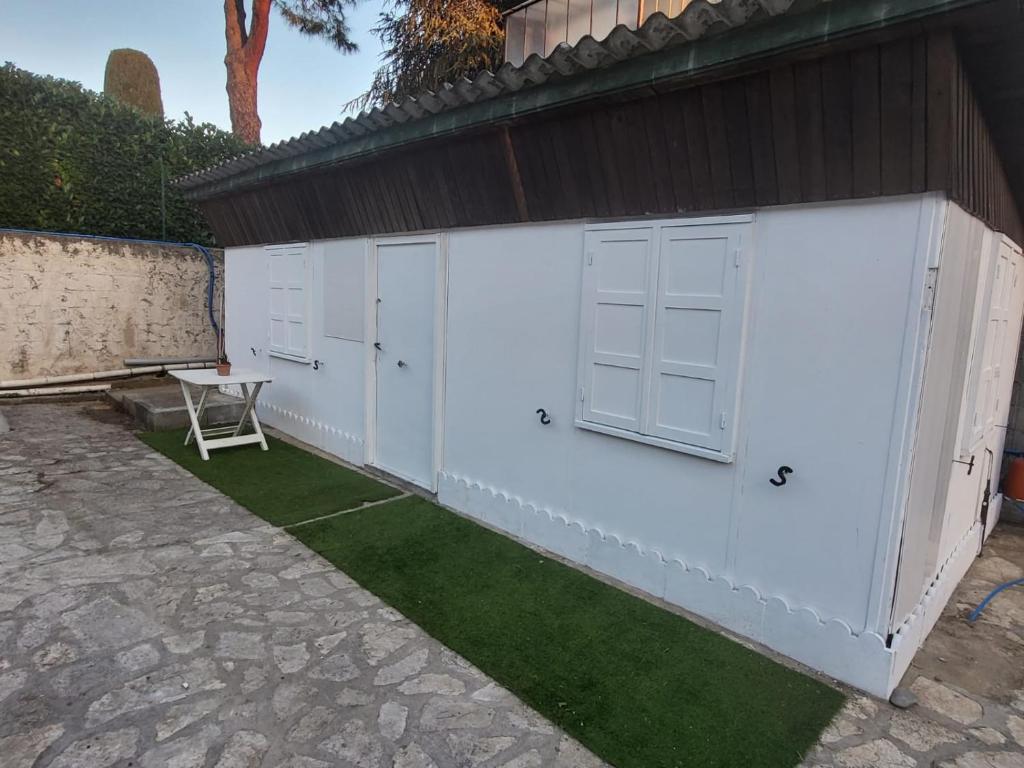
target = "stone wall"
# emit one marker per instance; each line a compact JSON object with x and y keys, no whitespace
{"x":76,"y":305}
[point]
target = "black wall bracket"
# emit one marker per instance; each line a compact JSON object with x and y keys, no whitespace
{"x":968,"y":464}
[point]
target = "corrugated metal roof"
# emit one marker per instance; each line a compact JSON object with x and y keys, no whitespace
{"x":701,"y":18}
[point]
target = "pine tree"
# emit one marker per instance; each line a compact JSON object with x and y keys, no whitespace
{"x":245,"y":46}
{"x":430,"y":42}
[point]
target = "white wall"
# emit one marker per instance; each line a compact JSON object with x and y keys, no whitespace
{"x":941,"y":530}
{"x":829,"y":382}
{"x":948,"y":350}
{"x":822,"y":372}
{"x":323,"y":405}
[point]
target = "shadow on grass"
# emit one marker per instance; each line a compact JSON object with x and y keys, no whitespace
{"x":284,"y":485}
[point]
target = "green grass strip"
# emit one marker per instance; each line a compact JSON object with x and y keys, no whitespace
{"x":284,"y":485}
{"x":639,"y":686}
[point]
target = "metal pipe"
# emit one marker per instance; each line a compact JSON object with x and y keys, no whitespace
{"x":123,"y":373}
{"x":37,"y":391}
{"x":135,"y":362}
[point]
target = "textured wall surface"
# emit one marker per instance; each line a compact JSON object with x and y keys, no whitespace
{"x":73,"y":305}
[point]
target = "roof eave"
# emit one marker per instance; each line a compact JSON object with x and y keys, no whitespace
{"x":828,"y":22}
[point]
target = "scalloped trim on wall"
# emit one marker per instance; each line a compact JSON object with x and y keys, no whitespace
{"x":829,"y":645}
{"x":915,"y":628}
{"x":324,"y":436}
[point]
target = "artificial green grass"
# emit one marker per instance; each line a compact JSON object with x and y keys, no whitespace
{"x":639,"y":686}
{"x":284,"y":485}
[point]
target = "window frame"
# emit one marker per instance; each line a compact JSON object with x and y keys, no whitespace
{"x":736,"y":322}
{"x":307,"y":273}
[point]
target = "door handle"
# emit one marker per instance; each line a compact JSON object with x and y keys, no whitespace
{"x":402,"y":363}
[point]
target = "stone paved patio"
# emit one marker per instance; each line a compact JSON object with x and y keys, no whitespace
{"x":969,"y":680}
{"x":147,"y":620}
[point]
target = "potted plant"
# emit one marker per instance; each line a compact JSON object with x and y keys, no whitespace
{"x":223,"y":366}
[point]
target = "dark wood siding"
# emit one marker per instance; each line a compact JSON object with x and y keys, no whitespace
{"x":978,"y":177}
{"x":886,"y":119}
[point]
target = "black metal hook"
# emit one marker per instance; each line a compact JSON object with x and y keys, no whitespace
{"x":316,"y":365}
{"x":783,"y":471}
{"x":544,"y":418}
{"x":969,"y":464}
{"x":253,"y":351}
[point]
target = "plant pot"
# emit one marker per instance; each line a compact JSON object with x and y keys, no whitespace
{"x":223,"y":369}
{"x":1013,"y":485}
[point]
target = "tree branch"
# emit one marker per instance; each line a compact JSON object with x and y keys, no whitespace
{"x":234,"y":26}
{"x":257,"y":41}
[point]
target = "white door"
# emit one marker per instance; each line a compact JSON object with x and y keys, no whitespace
{"x":1000,"y":364}
{"x":406,"y":287}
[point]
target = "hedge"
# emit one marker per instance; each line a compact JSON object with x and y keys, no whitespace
{"x":72,"y":160}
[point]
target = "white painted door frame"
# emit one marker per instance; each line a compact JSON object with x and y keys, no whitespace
{"x":440,"y":240}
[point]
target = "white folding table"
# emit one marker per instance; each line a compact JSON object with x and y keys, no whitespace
{"x":207,"y":379}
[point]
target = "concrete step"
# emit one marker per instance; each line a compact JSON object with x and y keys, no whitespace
{"x":162,"y":408}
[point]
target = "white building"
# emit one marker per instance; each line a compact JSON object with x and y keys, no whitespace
{"x":612,"y":318}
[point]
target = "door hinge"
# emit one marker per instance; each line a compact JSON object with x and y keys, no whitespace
{"x":583,"y":394}
{"x":590,"y":258}
{"x":738,"y":256}
{"x":722,"y":421}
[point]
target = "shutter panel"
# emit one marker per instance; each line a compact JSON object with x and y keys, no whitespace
{"x":288,"y":301}
{"x":696,"y":336}
{"x":617,"y":279}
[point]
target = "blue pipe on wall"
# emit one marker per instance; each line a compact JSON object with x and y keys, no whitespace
{"x":211,"y":284}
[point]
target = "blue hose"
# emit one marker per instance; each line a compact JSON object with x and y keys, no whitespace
{"x":977,"y":611}
{"x":210,"y":264}
{"x":210,"y":286}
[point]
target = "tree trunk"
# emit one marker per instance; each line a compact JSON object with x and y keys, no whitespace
{"x":241,"y":87}
{"x":245,"y":52}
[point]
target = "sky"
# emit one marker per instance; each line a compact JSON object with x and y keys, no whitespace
{"x":303,"y":82}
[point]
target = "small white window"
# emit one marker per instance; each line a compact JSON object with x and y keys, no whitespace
{"x":661,"y":329}
{"x":344,"y":287}
{"x":289,"y":301}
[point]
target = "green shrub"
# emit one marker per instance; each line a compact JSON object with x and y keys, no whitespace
{"x":73,"y":160}
{"x":131,"y":78}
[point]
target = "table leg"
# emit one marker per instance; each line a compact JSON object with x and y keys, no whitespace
{"x":199,"y":413}
{"x":249,"y":413}
{"x":193,"y":417}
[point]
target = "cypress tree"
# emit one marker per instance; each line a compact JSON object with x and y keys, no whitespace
{"x":131,"y":78}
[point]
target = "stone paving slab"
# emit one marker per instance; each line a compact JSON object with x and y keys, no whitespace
{"x":967,"y":679}
{"x":147,"y":620}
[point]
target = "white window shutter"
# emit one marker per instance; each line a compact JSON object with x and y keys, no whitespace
{"x":288,"y":301}
{"x":696,"y":336}
{"x":617,"y":278}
